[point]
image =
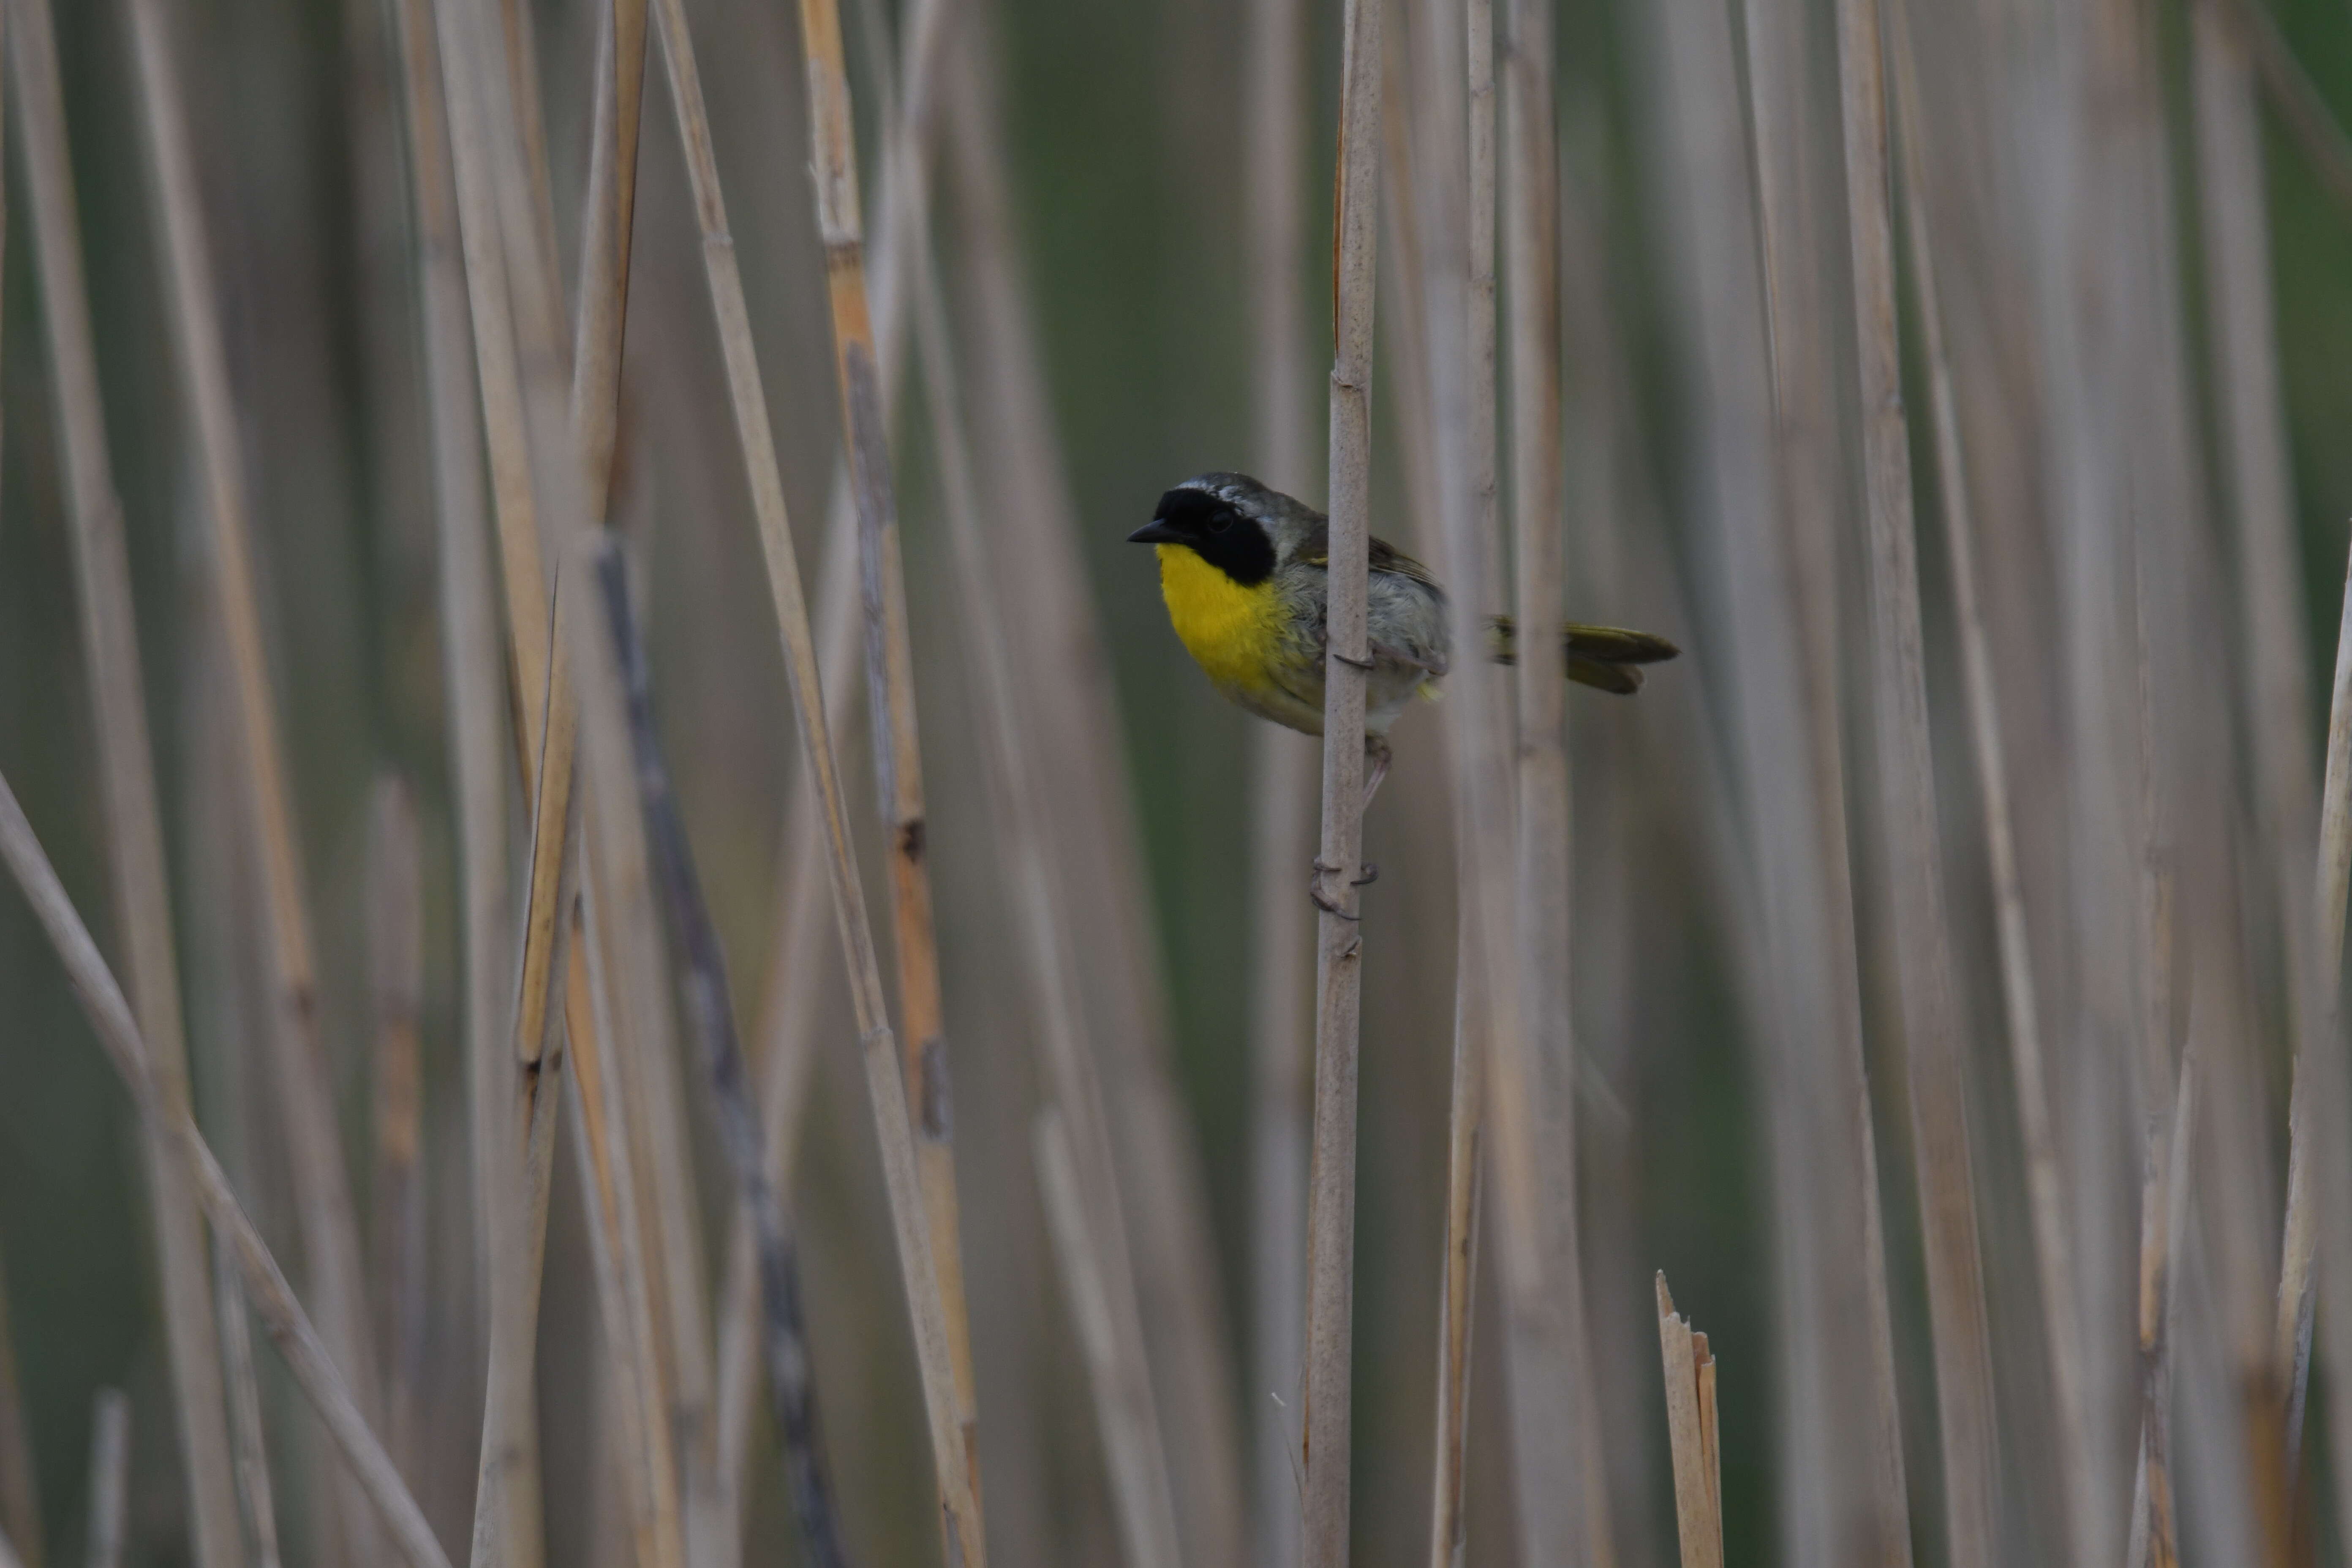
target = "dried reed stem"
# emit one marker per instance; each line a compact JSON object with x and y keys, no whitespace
{"x":1459,"y":290}
{"x":110,"y":1476}
{"x":1070,"y":718}
{"x":246,"y":1431}
{"x":2022,"y":1009}
{"x":1339,"y":959}
{"x":1448,"y":1513}
{"x":396,"y":965}
{"x":1274,"y":175}
{"x":790,"y":1013}
{"x":1931,"y":1021}
{"x":694,"y":941}
{"x":664,"y":1314}
{"x":507,"y":1513}
{"x":624,"y":1293}
{"x":889,"y":678}
{"x":20,"y":1501}
{"x":1561,"y":1493}
{"x":1093,"y":1244}
{"x":2154,"y":1541}
{"x":330,"y":1221}
{"x":1842,"y":1480}
{"x":2321,"y":1078}
{"x":1691,"y":1427}
{"x":929,"y":1310}
{"x":1147,"y":1521}
{"x":8,"y":1558}
{"x":788,"y":1016}
{"x":135,"y":839}
{"x":680,"y":1298}
{"x":2236,"y":229}
{"x":470,"y":638}
{"x":289,"y":1326}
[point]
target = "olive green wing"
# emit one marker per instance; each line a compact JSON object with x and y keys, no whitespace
{"x":1315,"y":549}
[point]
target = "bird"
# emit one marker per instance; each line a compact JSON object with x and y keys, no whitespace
{"x":1244,"y":572}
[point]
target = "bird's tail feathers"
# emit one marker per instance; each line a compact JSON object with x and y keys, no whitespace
{"x":1608,"y":659}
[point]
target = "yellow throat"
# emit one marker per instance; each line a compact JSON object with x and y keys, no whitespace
{"x":1230,"y":631}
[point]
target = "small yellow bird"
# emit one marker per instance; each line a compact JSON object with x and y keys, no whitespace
{"x":1244,"y":570}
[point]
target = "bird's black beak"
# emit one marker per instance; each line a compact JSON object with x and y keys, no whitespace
{"x":1155,"y":533}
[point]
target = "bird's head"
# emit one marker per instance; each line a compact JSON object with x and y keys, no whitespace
{"x":1233,"y":522}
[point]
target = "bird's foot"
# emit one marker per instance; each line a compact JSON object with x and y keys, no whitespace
{"x":1323,"y":900}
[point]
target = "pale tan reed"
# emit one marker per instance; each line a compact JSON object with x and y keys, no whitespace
{"x":289,"y":1327}
{"x":1931,"y":1019}
{"x":927,"y":1307}
{"x":1070,"y":716}
{"x":397,"y":981}
{"x":1842,"y":1478}
{"x":1092,"y":1244}
{"x":891,"y":674}
{"x":1692,"y":1429}
{"x":1555,"y":1419}
{"x":125,"y":767}
{"x":1274,"y":177}
{"x":1339,"y":959}
{"x":134,"y":837}
{"x":331,"y":1232}
{"x":2061,"y":1324}
{"x":1147,"y":1519}
{"x":247,"y":1434}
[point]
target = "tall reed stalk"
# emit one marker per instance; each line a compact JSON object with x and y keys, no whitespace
{"x":330,"y":1234}
{"x":1275,"y":184}
{"x":1459,"y":303}
{"x":889,"y":683}
{"x":2061,"y":1324}
{"x":506,"y":1511}
{"x":1070,"y":712}
{"x":928,"y":1308}
{"x":134,"y":835}
{"x":2236,"y":223}
{"x":168,"y":1120}
{"x":1340,"y":945}
{"x":1076,"y":1150}
{"x":1931,"y":1023}
{"x":1841,"y":1471}
{"x":790,"y":1365}
{"x":396,"y":984}
{"x":1555,"y":1422}
{"x":255,"y":1488}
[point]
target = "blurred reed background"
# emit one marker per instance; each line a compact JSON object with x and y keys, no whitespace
{"x":1919,"y":973}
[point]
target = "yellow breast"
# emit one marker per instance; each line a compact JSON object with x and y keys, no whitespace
{"x":1232,"y":631}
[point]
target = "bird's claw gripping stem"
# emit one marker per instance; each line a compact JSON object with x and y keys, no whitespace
{"x":1323,"y":901}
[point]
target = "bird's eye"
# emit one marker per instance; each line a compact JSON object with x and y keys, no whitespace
{"x":1220,"y":520}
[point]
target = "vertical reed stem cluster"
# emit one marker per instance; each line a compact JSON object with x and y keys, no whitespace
{"x":330,"y":1234}
{"x":886,"y":1089}
{"x":890,"y":686}
{"x":889,"y":678}
{"x":1931,"y":1025}
{"x":134,"y":834}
